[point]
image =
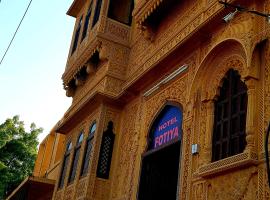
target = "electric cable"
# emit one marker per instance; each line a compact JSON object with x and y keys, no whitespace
{"x":15,"y":31}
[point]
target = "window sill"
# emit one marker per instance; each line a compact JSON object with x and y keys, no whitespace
{"x":69,"y":184}
{"x":60,"y":189}
{"x":240,"y":160}
{"x":83,"y":176}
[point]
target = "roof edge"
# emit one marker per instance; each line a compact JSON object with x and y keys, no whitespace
{"x":75,"y":8}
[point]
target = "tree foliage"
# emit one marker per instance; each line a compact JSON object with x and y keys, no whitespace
{"x":18,"y":151}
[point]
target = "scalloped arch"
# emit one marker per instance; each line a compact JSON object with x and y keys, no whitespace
{"x":229,"y":53}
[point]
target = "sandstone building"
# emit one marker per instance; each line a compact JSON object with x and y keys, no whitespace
{"x":169,"y":101}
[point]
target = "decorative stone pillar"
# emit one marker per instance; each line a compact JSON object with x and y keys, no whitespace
{"x":79,"y":81}
{"x":90,"y":69}
{"x":148,"y":33}
{"x":209,"y":123}
{"x":104,"y":53}
{"x":250,"y":117}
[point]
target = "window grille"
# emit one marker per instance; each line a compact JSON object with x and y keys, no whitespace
{"x":105,"y":154}
{"x":229,"y":136}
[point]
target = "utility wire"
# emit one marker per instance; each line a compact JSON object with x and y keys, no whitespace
{"x":15,"y":31}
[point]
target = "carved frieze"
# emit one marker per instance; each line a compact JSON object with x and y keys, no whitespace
{"x":239,"y":185}
{"x":193,"y":17}
{"x":76,"y":62}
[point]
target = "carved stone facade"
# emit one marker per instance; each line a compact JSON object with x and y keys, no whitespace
{"x":137,"y":76}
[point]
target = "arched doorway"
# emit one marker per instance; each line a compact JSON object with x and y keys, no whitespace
{"x":160,"y":164}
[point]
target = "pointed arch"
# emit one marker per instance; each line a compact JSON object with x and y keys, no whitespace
{"x":166,"y":126}
{"x":229,"y":130}
{"x":160,"y":166}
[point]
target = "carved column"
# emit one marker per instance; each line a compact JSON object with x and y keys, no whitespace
{"x":185,"y":164}
{"x":210,"y":106}
{"x":251,"y":110}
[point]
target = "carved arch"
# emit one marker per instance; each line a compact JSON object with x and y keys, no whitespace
{"x":227,"y":54}
{"x":256,"y":59}
{"x":216,"y":78}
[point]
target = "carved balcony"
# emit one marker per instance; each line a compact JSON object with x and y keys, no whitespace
{"x":100,"y":57}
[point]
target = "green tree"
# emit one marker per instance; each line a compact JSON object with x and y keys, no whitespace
{"x":18,"y":151}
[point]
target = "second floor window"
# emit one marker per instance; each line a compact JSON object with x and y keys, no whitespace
{"x":97,"y":12}
{"x":87,"y":21}
{"x":121,"y":10}
{"x":77,"y":35}
{"x":88,"y":149}
{"x":76,"y":157}
{"x":229,"y":137}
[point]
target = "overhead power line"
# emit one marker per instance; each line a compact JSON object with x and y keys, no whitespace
{"x":15,"y":31}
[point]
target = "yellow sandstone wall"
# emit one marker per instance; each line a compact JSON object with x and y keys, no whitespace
{"x":49,"y":154}
{"x":241,"y":44}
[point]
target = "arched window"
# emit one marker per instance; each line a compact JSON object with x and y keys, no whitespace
{"x":87,"y":20}
{"x":75,"y":159}
{"x":105,"y":153}
{"x":229,"y":137}
{"x":65,"y":164}
{"x":88,"y":148}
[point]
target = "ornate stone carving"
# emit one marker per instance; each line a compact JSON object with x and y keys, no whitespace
{"x":81,"y":188}
{"x":128,"y":150}
{"x":239,"y":160}
{"x":145,"y":10}
{"x":76,"y":62}
{"x":234,"y":186}
{"x":185,"y":173}
{"x":69,"y":193}
{"x":183,"y":25}
{"x":118,"y":31}
{"x":113,"y":86}
{"x":58,"y":195}
{"x":199,"y":190}
{"x":216,"y":77}
{"x":207,"y":126}
{"x":175,"y":92}
{"x":227,"y":46}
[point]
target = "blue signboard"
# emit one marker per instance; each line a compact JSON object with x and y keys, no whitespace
{"x":167,"y":128}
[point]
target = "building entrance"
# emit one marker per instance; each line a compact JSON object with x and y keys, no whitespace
{"x":159,"y":175}
{"x":160,"y":163}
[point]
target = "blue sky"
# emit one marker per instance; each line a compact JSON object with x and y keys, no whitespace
{"x":30,"y":75}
